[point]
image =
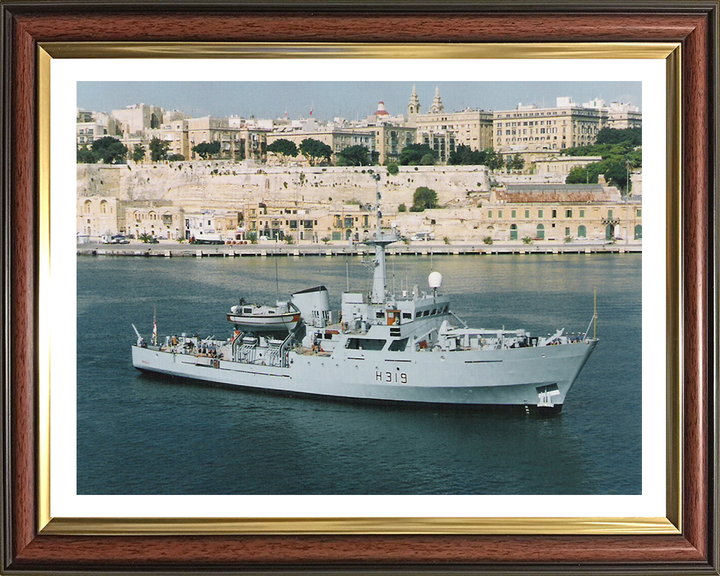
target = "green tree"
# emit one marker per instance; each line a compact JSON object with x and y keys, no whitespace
{"x":428,"y":159}
{"x":616,"y":173}
{"x":412,"y":154}
{"x":110,"y":150}
{"x":138,"y":153}
{"x":158,"y":149}
{"x":633,"y":136}
{"x":424,"y":198}
{"x":315,"y":151}
{"x":354,"y":156}
{"x":465,"y":156}
{"x":516,"y":162}
{"x":493,"y":160}
{"x":618,"y":150}
{"x":284,"y":148}
{"x":207,"y":149}
{"x":85,"y":155}
{"x":402,"y":208}
{"x":584,"y":175}
{"x":176,"y":158}
{"x":393,"y":169}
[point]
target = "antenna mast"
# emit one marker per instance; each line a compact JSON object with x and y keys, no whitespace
{"x":379,"y":240}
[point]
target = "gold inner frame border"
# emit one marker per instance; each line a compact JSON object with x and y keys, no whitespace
{"x":671,"y":524}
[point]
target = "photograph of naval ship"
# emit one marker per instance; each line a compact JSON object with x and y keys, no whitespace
{"x":417,"y":301}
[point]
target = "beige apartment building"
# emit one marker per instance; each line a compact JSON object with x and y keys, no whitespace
{"x":93,"y":125}
{"x":445,"y":131}
{"x":208,"y":129}
{"x":623,"y":119}
{"x":530,"y":128}
{"x":175,"y":133}
{"x":390,"y":141}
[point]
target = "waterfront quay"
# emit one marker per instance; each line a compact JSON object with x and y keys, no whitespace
{"x":176,"y":249}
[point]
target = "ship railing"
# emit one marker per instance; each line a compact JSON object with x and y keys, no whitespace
{"x":273,"y":357}
{"x":247,"y":353}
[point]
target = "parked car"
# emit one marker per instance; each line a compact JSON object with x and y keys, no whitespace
{"x":119,"y":239}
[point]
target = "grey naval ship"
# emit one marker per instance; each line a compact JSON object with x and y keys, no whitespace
{"x":410,"y":348}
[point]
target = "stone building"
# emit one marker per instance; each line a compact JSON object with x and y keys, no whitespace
{"x":557,"y":212}
{"x":137,"y":118}
{"x":445,"y":131}
{"x":208,"y":130}
{"x":93,"y":125}
{"x":156,"y":218}
{"x":562,"y":165}
{"x":97,"y":216}
{"x":390,"y":140}
{"x":529,"y":128}
{"x":175,"y":133}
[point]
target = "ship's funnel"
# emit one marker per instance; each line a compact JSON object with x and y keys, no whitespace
{"x":435,"y":280}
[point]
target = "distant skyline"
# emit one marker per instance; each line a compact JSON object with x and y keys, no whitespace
{"x":349,"y":100}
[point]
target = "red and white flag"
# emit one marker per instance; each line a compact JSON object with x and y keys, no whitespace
{"x":154,"y":331}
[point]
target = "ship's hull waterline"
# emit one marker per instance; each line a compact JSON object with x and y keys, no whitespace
{"x":516,"y":377}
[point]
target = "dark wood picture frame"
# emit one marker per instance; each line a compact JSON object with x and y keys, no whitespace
{"x":25,"y":25}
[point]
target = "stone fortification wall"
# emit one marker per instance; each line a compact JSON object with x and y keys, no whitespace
{"x":210,"y":184}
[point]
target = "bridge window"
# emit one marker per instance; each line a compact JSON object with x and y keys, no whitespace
{"x":398,"y":345}
{"x":365,"y":344}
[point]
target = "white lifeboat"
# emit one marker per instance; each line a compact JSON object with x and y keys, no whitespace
{"x":260,"y":318}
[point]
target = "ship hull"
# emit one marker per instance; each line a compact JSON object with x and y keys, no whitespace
{"x":537,"y":376}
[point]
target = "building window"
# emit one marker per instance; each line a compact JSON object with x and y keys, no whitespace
{"x":582,"y":213}
{"x":513,"y":213}
{"x":540,"y":233}
{"x":568,"y":213}
{"x":513,"y":232}
{"x":582,"y":232}
{"x":527,"y":213}
{"x":554,"y":213}
{"x":610,"y":214}
{"x":541,"y":213}
{"x":500,"y":214}
{"x":567,"y":231}
{"x":490,"y":214}
{"x":639,"y":212}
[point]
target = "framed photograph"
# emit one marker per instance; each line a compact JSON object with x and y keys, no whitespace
{"x":106,"y":468}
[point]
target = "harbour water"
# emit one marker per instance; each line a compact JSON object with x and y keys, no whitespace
{"x":144,"y":434}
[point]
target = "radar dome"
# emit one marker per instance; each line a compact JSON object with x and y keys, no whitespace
{"x":435,"y":280}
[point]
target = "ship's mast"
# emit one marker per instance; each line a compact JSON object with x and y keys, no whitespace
{"x":379,"y":240}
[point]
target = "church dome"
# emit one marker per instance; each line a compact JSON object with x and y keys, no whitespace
{"x":381,"y":109}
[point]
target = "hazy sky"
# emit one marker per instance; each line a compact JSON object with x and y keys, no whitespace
{"x":350,"y":100}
